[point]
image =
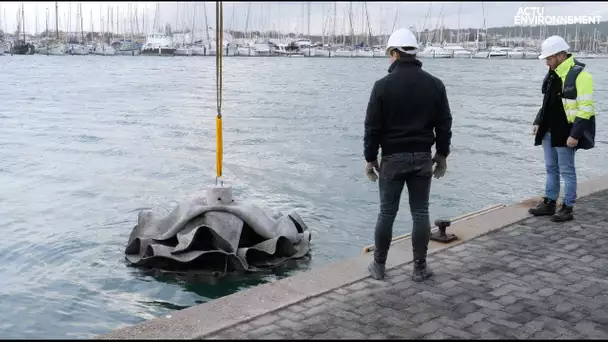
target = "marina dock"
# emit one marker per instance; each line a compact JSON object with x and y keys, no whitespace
{"x":509,"y":275}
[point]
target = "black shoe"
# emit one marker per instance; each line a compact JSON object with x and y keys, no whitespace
{"x":563,"y":214}
{"x":376,"y":270}
{"x":421,"y":271}
{"x":544,"y":208}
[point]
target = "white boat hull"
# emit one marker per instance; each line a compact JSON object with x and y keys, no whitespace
{"x":515,"y":54}
{"x":253,"y":51}
{"x":424,"y":54}
{"x":462,"y":54}
{"x":79,"y":51}
{"x":443,"y":55}
{"x":480,"y":55}
{"x":245,"y":51}
{"x":262,"y":52}
{"x":435,"y":53}
{"x":200,"y":51}
{"x":104,"y":51}
{"x":343,"y":53}
{"x":324,"y":53}
{"x":309,"y":51}
{"x":364,"y":54}
{"x":228,"y":51}
{"x":497,"y":55}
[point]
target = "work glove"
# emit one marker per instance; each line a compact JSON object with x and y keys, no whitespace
{"x":441,"y":166}
{"x":371,"y":169}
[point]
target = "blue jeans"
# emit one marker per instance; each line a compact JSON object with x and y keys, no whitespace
{"x":559,"y":160}
{"x":398,"y":170}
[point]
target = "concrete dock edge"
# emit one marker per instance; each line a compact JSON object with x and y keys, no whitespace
{"x":203,"y":320}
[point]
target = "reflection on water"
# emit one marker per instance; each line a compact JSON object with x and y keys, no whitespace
{"x":211,"y":287}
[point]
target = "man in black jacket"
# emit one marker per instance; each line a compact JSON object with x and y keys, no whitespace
{"x":407,"y":113}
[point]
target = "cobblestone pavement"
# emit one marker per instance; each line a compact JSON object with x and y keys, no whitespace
{"x":535,"y":279}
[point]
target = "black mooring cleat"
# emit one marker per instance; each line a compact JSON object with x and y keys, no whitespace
{"x":440,"y":235}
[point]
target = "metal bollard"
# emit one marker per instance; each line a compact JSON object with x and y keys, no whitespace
{"x":440,"y":235}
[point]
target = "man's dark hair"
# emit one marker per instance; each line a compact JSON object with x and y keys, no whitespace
{"x":403,"y":54}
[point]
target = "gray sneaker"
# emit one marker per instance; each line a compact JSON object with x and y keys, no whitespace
{"x":421,"y":271}
{"x":376,"y":270}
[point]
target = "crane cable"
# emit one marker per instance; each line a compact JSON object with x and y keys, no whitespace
{"x":219,"y":39}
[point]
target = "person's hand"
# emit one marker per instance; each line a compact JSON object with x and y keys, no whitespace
{"x":571,"y":142}
{"x":441,"y":166}
{"x":534,"y":129}
{"x":371,"y":169}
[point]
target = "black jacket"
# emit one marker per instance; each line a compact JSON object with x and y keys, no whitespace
{"x":404,"y":109}
{"x":552,"y":116}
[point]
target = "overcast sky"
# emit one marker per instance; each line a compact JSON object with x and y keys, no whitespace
{"x":290,"y":16}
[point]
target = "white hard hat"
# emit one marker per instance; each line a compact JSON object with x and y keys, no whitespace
{"x":400,"y":39}
{"x":553,"y":45}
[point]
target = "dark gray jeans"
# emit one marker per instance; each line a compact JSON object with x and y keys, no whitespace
{"x":397,"y":170}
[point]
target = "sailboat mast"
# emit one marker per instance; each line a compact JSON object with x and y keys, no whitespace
{"x":108,"y":24}
{"x":333,"y":37}
{"x":369,"y":39}
{"x":130,"y":18}
{"x":36,"y":21}
{"x":308,"y":9}
{"x":458,"y":33}
{"x":485,"y":28}
{"x":247,"y":22}
{"x":56,"y":20}
{"x":350,"y":21}
{"x":344,"y":29}
{"x":193,"y":25}
{"x":102,"y":28}
{"x":22,"y":22}
{"x":143,"y":19}
{"x":362,"y":23}
{"x":232,"y":20}
{"x":206,"y":24}
{"x":47,"y":24}
{"x":68,"y":25}
{"x":135,"y":12}
{"x":81,"y":22}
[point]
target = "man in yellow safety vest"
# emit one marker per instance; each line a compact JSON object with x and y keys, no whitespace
{"x":564,"y":123}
